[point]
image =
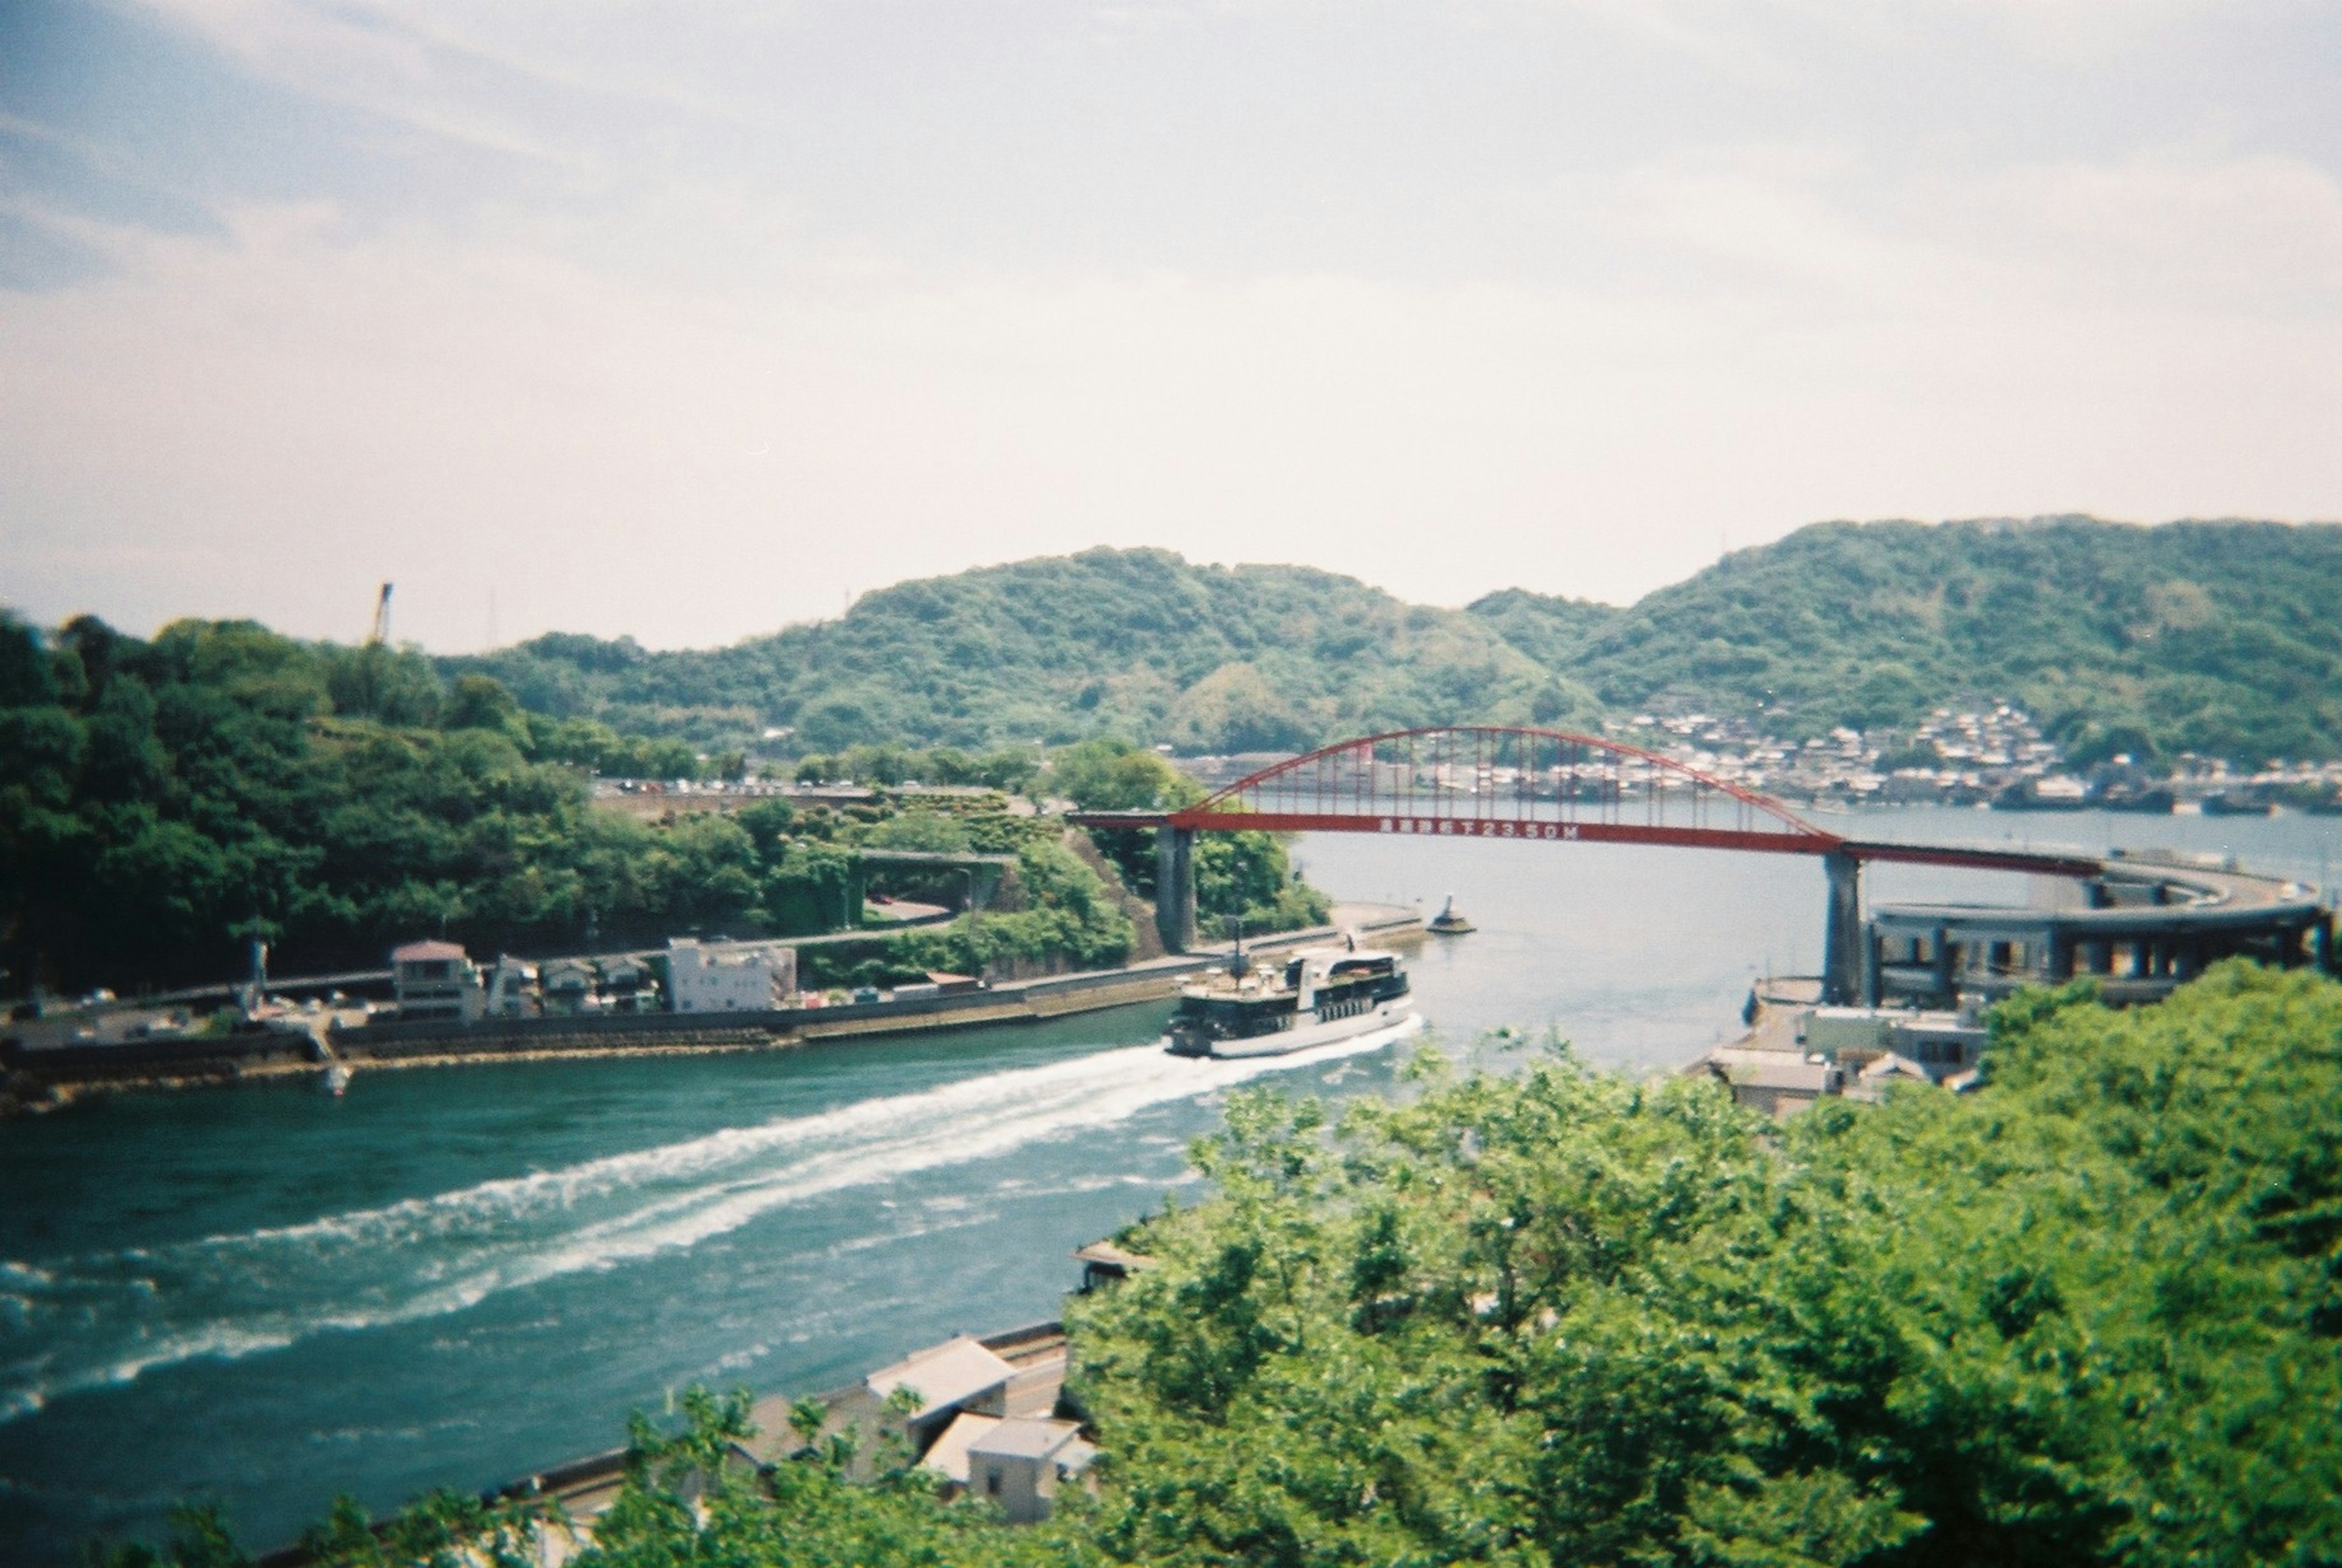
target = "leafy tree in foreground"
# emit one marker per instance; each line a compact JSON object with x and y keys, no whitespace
{"x":2088,"y":1314}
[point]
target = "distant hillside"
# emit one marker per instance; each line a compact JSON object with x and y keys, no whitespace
{"x":1554,"y":632}
{"x":1138,"y":642}
{"x":2215,"y":637}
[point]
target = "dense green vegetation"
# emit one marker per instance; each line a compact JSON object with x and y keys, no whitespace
{"x":1010,"y":769}
{"x":2213,"y":638}
{"x":163,"y":802}
{"x":1135,"y":642}
{"x":2218,"y":638}
{"x":2089,"y":1314}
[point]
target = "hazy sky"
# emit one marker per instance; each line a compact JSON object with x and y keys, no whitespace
{"x":687,"y":321}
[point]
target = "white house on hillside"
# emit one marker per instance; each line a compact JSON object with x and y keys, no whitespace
{"x":704,"y":979}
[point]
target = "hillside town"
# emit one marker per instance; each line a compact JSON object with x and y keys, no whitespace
{"x":1988,"y":755}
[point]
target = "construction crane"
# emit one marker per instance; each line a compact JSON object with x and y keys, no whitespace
{"x":371,"y":654}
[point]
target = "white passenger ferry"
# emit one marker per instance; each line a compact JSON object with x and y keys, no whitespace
{"x":1320,"y":995}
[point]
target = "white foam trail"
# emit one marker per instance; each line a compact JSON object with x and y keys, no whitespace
{"x":107,"y":1318}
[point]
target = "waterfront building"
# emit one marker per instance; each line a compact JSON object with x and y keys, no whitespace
{"x":629,"y":986}
{"x":2145,"y":926}
{"x":703,"y":979}
{"x":511,"y":987}
{"x":567,"y":989}
{"x":437,"y":981}
{"x":1941,"y":1045}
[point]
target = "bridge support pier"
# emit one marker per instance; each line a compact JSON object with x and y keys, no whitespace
{"x":1175,"y":888}
{"x":1842,"y":938}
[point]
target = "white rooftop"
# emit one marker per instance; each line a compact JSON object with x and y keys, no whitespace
{"x":1021,"y":1437}
{"x":949,"y":1374}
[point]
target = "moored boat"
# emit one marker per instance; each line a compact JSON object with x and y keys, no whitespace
{"x":2053,"y":792}
{"x":2157,"y":799}
{"x":1320,"y":995}
{"x":2236,"y":803}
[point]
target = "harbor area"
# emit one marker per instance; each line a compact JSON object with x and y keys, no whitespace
{"x":48,"y":1062}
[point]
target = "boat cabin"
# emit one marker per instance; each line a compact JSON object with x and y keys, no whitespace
{"x":1316,"y":985}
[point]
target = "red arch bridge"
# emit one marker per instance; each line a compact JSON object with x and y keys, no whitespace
{"x":1532,"y":787}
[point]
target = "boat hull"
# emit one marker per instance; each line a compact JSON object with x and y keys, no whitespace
{"x":1396,"y":1011}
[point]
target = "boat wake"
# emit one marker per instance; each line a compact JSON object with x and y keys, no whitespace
{"x":107,"y":1317}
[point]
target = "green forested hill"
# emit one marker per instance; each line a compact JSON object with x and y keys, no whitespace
{"x":1553,"y":630}
{"x":1138,"y":642}
{"x":2213,"y":637}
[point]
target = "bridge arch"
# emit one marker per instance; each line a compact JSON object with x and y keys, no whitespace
{"x":1506,"y":782}
{"x":1511,"y":782}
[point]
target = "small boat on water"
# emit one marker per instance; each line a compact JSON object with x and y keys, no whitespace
{"x":1322,"y":994}
{"x":2154,"y":799}
{"x":1448,"y":922}
{"x":2055,"y":791}
{"x":2236,"y":803}
{"x":335,"y":1080}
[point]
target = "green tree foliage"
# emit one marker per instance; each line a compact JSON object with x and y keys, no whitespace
{"x":916,"y":829}
{"x":1107,"y":773}
{"x":28,"y":677}
{"x":2089,"y":1314}
{"x":1249,"y":877}
{"x":162,"y":800}
{"x":481,"y":702}
{"x":1008,"y":769}
{"x":2213,"y":638}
